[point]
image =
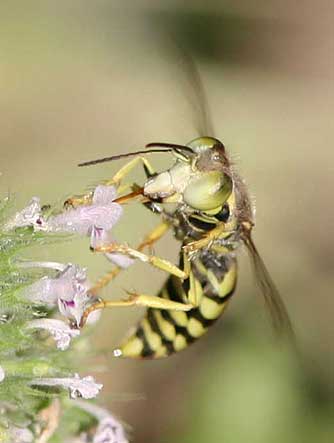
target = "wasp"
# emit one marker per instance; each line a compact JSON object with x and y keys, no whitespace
{"x":204,"y":201}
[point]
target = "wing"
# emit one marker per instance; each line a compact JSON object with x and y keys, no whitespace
{"x":197,"y":96}
{"x":274,"y":303}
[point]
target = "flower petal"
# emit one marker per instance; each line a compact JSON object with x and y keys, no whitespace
{"x":31,"y":215}
{"x":68,"y":290}
{"x":60,"y":331}
{"x":85,"y":387}
{"x":68,"y":283}
{"x":120,"y":260}
{"x":104,"y":195}
{"x":100,"y":237}
{"x":40,"y":292}
{"x":74,"y":308}
{"x":81,"y":219}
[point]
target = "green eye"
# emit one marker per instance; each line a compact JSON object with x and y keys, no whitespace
{"x":203,"y":143}
{"x":209,"y":191}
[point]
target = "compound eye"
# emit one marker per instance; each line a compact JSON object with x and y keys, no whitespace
{"x":209,"y":191}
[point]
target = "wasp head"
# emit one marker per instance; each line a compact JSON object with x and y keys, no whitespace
{"x":199,"y":178}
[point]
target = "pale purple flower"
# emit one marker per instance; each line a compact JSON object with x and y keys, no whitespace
{"x":2,"y":374}
{"x":95,"y":220}
{"x":75,"y":307}
{"x":102,"y":213}
{"x":59,"y":330}
{"x":68,"y":289}
{"x":109,"y":430}
{"x":85,"y":387}
{"x":31,"y":215}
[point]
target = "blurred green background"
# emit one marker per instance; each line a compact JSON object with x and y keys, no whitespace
{"x":81,"y":80}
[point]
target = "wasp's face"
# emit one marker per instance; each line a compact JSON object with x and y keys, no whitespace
{"x":209,"y":154}
{"x":212,"y":184}
{"x":200,"y":179}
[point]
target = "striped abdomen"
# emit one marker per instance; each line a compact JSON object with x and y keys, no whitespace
{"x":161,"y":332}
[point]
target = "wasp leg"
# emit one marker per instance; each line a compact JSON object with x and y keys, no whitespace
{"x":148,"y":241}
{"x":219,"y":232}
{"x":114,"y":181}
{"x":128,"y":167}
{"x":135,"y":299}
{"x":153,"y":260}
{"x":80,"y":200}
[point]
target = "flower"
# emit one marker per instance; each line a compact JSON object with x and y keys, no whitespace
{"x":95,"y":220}
{"x":109,"y":430}
{"x":102,"y":213}
{"x":60,"y":331}
{"x":85,"y":387}
{"x":68,"y":289}
{"x":31,"y":215}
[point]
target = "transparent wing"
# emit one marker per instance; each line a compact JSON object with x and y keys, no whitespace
{"x":274,"y":303}
{"x":197,"y":96}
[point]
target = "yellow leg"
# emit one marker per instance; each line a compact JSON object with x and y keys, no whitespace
{"x":153,"y":260}
{"x":148,"y":301}
{"x":221,"y":231}
{"x":127,"y":168}
{"x":80,"y":200}
{"x":148,"y":241}
{"x":114,"y":181}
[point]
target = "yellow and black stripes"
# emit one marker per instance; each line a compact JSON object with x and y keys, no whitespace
{"x":163,"y":332}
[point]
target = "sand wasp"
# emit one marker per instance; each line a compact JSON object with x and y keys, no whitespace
{"x":205,"y":202}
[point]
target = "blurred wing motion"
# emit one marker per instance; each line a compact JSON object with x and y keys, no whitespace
{"x":272,"y":298}
{"x":197,"y":96}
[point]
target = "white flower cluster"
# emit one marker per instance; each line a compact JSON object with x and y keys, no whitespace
{"x":65,"y":288}
{"x":68,"y":289}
